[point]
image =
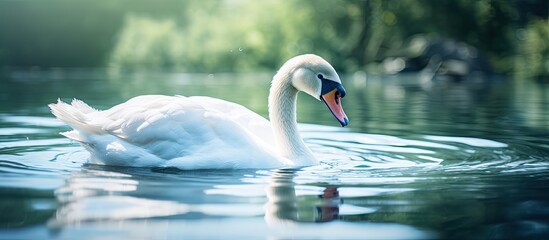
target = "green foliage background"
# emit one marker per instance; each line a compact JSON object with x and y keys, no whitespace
{"x":245,"y":35}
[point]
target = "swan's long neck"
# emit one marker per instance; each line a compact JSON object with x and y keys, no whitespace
{"x":282,"y":113}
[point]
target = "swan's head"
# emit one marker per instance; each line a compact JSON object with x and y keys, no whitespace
{"x":315,"y":76}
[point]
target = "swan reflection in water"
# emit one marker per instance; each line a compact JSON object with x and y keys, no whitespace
{"x":103,"y":193}
{"x":285,"y":205}
{"x":142,"y":203}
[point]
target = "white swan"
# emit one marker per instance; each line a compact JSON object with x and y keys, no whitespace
{"x":204,"y":132}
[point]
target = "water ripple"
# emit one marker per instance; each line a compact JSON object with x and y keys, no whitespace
{"x":351,"y":151}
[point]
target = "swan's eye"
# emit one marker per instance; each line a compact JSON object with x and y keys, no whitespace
{"x":320,"y":76}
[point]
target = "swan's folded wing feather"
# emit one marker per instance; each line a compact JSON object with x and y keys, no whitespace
{"x":190,"y":133}
{"x":247,"y":119}
{"x":169,"y":127}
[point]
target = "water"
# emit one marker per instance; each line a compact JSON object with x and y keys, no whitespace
{"x":418,"y":161}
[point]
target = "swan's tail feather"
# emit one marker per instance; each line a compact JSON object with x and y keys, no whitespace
{"x":74,"y":135}
{"x":82,"y":106}
{"x":74,"y":115}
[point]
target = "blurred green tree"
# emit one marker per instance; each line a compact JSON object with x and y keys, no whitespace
{"x":244,"y":35}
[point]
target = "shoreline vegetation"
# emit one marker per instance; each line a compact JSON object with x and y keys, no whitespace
{"x":250,"y":36}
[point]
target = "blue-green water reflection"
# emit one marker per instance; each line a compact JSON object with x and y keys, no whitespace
{"x":445,"y":160}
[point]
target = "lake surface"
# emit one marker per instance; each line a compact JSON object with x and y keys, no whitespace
{"x":419,"y":160}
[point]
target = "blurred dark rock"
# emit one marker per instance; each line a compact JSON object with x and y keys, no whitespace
{"x":438,"y":57}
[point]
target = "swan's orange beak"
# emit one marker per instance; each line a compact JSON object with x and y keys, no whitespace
{"x":332,"y":99}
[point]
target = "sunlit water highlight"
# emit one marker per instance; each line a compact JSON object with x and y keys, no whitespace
{"x":410,"y":166}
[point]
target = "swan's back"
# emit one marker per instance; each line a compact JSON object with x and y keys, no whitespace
{"x":184,"y":132}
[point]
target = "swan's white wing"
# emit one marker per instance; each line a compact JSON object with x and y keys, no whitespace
{"x":193,"y":132}
{"x":178,"y":113}
{"x":239,"y":114}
